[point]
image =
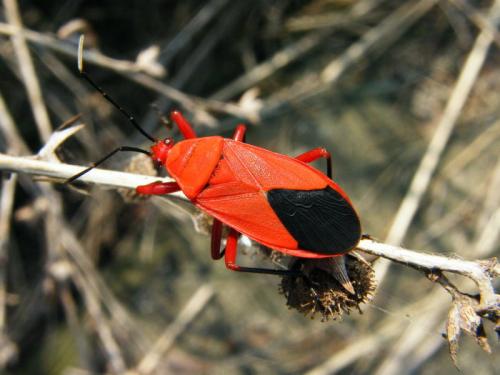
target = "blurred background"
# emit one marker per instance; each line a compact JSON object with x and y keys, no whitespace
{"x":93,"y":281}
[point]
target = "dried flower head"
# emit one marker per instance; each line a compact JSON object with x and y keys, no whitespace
{"x":140,"y":164}
{"x":317,"y":290}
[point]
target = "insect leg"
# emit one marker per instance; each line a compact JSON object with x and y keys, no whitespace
{"x":231,"y":253}
{"x":158,"y":188}
{"x":216,"y":240}
{"x":102,"y":160}
{"x":184,"y":126}
{"x":239,"y":133}
{"x":316,"y":153}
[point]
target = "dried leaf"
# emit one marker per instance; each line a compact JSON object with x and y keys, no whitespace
{"x":453,"y":331}
{"x":463,"y":316}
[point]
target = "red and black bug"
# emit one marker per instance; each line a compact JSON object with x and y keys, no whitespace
{"x":276,"y":200}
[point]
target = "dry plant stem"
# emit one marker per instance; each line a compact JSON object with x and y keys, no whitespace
{"x":195,"y":305}
{"x":379,"y":337}
{"x":97,"y":286}
{"x":471,"y":151}
{"x":61,"y":171}
{"x":15,"y":144}
{"x":279,"y":60}
{"x":130,"y":180}
{"x":414,"y":334}
{"x":59,"y":246}
{"x":421,"y":181}
{"x":28,"y":73}
{"x":289,"y":54}
{"x":385,"y":32}
{"x":192,"y":28}
{"x":422,"y":352}
{"x":103,"y":328}
{"x":482,"y":22}
{"x":58,"y":250}
{"x":69,"y":49}
{"x":196,"y":57}
{"x":476,"y":271}
{"x":422,"y":177}
{"x":189,"y":102}
{"x":130,"y":71}
{"x":94,"y":290}
{"x":489,"y":219}
{"x":489,"y":236}
{"x":14,"y":141}
{"x":75,"y":326}
{"x":6,"y":205}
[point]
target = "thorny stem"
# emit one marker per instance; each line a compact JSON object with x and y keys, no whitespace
{"x":480,"y":272}
{"x":61,"y":171}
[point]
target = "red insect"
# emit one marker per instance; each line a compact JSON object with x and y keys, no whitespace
{"x":276,"y":200}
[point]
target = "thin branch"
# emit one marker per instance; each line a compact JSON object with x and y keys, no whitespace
{"x":191,"y":29}
{"x":476,"y":271}
{"x":15,"y":144}
{"x":429,"y":162}
{"x":7,"y":203}
{"x":133,"y":72}
{"x":190,"y":102}
{"x":104,"y":330}
{"x":481,"y":21}
{"x":75,"y":325}
{"x":69,"y":49}
{"x":378,"y":337}
{"x":384,"y":33}
{"x":156,"y":355}
{"x":479,"y":271}
{"x":265,"y":69}
{"x":292,"y":51}
{"x":429,"y":309}
{"x":61,"y":171}
{"x":488,"y":224}
{"x":28,"y":72}
{"x":116,"y":179}
{"x":333,"y":19}
{"x":415,"y":333}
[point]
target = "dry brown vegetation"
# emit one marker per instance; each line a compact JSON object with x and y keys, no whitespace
{"x":403,"y":93}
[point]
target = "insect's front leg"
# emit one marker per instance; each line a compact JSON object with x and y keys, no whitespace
{"x":316,"y":153}
{"x":184,"y":126}
{"x":158,"y":188}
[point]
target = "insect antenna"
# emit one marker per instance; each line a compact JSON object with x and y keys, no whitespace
{"x":84,"y":74}
{"x":102,"y":160}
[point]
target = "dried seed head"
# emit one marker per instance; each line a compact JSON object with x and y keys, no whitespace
{"x":140,"y":164}
{"x":319,"y":291}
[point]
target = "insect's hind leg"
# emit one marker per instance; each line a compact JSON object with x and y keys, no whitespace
{"x":231,"y":253}
{"x":316,"y":153}
{"x":216,"y":240}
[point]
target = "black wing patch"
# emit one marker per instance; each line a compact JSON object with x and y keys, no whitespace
{"x":320,"y":220}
